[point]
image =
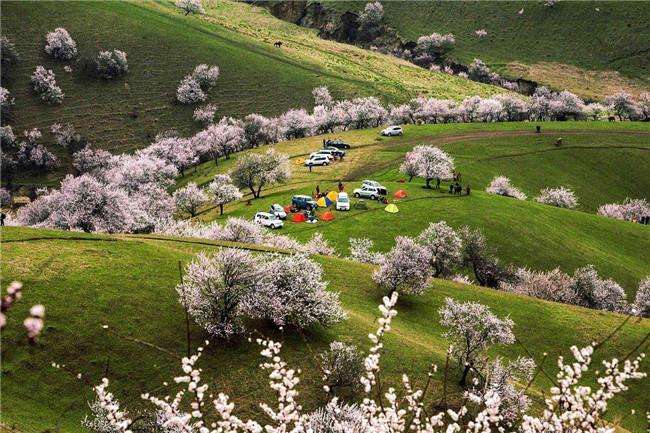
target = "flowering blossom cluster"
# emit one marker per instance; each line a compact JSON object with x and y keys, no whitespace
{"x":32,"y":155}
{"x":6,"y":101}
{"x":190,"y":198}
{"x":629,"y":210}
{"x":222,"y":191}
{"x":342,"y":365}
{"x":360,"y":251}
{"x":44,"y":84}
{"x":190,"y":6}
{"x":642,"y":299}
{"x":570,"y":403}
{"x":585,"y":288}
{"x":560,"y":197}
{"x":481,"y":33}
{"x":433,"y":46}
{"x":111,"y":64}
{"x":194,"y":87}
{"x":500,"y":185}
{"x":60,"y":45}
{"x":372,"y":14}
{"x":205,"y":114}
{"x":404,"y":268}
{"x":428,"y":162}
{"x":33,"y":323}
{"x":221,"y":291}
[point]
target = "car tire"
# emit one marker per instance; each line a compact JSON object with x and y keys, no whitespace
{"x":372,"y":197}
{"x":356,"y":194}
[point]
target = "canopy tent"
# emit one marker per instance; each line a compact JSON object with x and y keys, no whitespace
{"x":391,"y":208}
{"x":324,"y":202}
{"x":327,"y":216}
{"x":399,"y":194}
{"x":333,"y":195}
{"x":299,"y":217}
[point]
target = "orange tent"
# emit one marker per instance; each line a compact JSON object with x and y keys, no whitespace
{"x":399,"y":194}
{"x":299,"y":217}
{"x":327,"y":216}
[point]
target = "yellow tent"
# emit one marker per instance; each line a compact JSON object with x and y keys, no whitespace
{"x":333,"y":195}
{"x":391,"y":208}
{"x":324,"y":202}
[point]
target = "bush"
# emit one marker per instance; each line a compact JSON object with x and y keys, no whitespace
{"x":342,"y":366}
{"x":110,"y":64}
{"x":44,"y":84}
{"x":60,"y":45}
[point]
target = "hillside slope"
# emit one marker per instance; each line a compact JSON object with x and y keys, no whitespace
{"x":589,"y":47}
{"x":127,"y":283}
{"x":163,"y":46}
{"x":601,"y":162}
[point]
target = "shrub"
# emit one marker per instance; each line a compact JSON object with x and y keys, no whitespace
{"x":110,"y":64}
{"x":342,"y":366}
{"x":500,"y":185}
{"x":560,"y":197}
{"x":294,"y":293}
{"x":189,"y":91}
{"x":60,"y":45}
{"x":6,"y":103}
{"x":44,"y":84}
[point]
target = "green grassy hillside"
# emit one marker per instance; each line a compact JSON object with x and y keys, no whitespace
{"x":556,"y":46}
{"x":127,"y":283}
{"x":601,"y":162}
{"x":163,"y":46}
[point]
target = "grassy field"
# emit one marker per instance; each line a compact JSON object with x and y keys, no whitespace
{"x":589,"y":47}
{"x":601,"y":162}
{"x":127,"y":283}
{"x":163,"y":46}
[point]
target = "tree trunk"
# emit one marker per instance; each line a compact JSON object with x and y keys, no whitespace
{"x":428,"y":184}
{"x":463,"y":378}
{"x":221,"y":209}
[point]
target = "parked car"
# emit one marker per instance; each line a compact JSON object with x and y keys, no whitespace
{"x":300,"y":202}
{"x":343,"y":201}
{"x":392,"y":130}
{"x":278,"y":211}
{"x":338,"y":143}
{"x":382,"y":189}
{"x":317,"y":159}
{"x":367,"y":192}
{"x":326,"y":152}
{"x":335,"y":151}
{"x":268,"y":220}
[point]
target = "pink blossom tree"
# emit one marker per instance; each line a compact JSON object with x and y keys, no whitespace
{"x":500,"y":185}
{"x":60,"y":45}
{"x":254,"y":171}
{"x":432,"y":163}
{"x":404,"y":268}
{"x":472,"y":329}
{"x":642,"y":298}
{"x":44,"y":84}
{"x":444,"y":246}
{"x":560,"y":197}
{"x":622,"y":104}
{"x":190,"y":198}
{"x":222,"y":191}
{"x":322,"y":96}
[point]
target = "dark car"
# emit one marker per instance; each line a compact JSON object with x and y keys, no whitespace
{"x":300,"y":202}
{"x":335,"y":151}
{"x":338,"y":143}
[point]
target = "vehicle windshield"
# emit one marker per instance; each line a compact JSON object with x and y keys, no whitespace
{"x":343,"y":199}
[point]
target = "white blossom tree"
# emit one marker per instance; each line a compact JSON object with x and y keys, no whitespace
{"x":432,"y":163}
{"x":60,"y":45}
{"x":190,"y":198}
{"x":622,"y":104}
{"x":222,"y":191}
{"x":596,"y":292}
{"x":255,"y":171}
{"x":405,"y":268}
{"x":360,"y":251}
{"x":444,"y":246}
{"x":560,"y":197}
{"x":190,"y":6}
{"x":44,"y":85}
{"x":205,"y":114}
{"x":642,"y":298}
{"x":322,"y":96}
{"x":111,"y":64}
{"x":500,"y":185}
{"x":216,"y":288}
{"x":293,"y":293}
{"x":472,"y":329}
{"x":629,"y":210}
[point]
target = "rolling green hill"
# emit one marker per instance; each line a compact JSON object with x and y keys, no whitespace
{"x":127,"y":283}
{"x":163,"y":46}
{"x":601,"y":162}
{"x":591,"y":48}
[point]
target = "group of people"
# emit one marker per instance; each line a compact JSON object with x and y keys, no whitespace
{"x":320,"y":194}
{"x":457,"y":189}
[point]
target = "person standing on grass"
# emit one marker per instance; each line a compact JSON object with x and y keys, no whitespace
{"x":318,"y":190}
{"x":467,"y":189}
{"x":341,"y":186}
{"x":538,"y":129}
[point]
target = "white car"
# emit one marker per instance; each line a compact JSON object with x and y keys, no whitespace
{"x":343,"y":201}
{"x":326,"y":152}
{"x":392,"y":130}
{"x":278,"y":211}
{"x":367,"y":192}
{"x":373,"y":183}
{"x":318,"y":160}
{"x":268,"y":220}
